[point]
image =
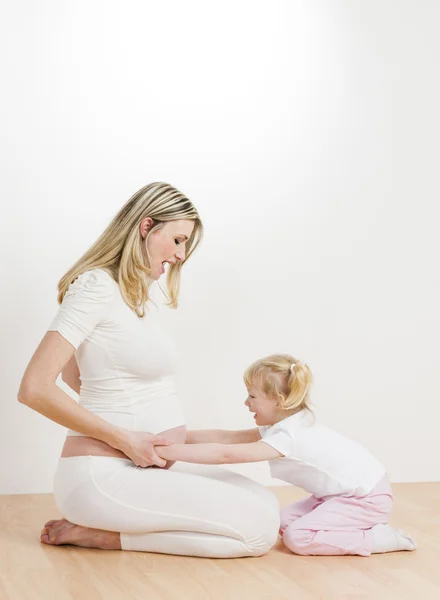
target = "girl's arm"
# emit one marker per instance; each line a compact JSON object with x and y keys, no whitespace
{"x":218,"y":454}
{"x":223,"y":436}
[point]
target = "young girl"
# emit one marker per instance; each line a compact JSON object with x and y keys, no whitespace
{"x":351,"y":499}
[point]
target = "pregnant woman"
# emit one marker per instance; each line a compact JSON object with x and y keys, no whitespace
{"x":108,"y":347}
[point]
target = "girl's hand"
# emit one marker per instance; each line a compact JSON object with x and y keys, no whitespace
{"x":139,"y":447}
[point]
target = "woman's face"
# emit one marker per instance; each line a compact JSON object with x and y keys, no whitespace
{"x":168,"y":244}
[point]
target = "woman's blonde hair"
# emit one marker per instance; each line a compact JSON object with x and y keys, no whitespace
{"x":283,"y":378}
{"x":121,"y":250}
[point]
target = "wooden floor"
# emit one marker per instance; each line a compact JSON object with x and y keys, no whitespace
{"x":30,"y":570}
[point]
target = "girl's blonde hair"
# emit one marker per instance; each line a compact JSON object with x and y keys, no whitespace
{"x":283,"y":378}
{"x":121,"y":250}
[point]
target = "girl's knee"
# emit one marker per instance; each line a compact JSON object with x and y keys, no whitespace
{"x":284,"y":515}
{"x":285,"y":520}
{"x":288,"y":515}
{"x":298,"y":541}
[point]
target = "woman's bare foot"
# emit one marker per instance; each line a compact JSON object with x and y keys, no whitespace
{"x":62,"y":531}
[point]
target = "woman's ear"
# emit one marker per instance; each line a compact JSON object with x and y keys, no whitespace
{"x":145,"y":226}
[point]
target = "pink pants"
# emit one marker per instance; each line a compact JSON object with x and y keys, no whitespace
{"x":336,"y":525}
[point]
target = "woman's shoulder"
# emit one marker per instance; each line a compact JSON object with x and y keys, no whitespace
{"x":94,"y":284}
{"x":100,"y":275}
{"x":96,"y":275}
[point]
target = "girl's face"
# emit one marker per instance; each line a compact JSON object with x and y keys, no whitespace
{"x":265,"y":408}
{"x":168,"y":245}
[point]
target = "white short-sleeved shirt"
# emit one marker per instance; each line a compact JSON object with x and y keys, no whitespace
{"x":126,"y":363}
{"x":320,"y":460}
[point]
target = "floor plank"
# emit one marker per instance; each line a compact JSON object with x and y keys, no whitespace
{"x":30,"y":570}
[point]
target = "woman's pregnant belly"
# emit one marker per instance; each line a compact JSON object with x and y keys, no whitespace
{"x":86,"y":446}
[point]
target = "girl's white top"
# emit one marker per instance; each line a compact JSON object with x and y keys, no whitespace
{"x":320,"y":460}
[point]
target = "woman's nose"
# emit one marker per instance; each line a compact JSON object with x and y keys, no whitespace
{"x":180,"y":255}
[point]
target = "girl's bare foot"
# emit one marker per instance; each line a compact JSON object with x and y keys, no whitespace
{"x":62,"y":531}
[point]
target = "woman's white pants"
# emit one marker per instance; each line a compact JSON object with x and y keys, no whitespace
{"x":188,"y":510}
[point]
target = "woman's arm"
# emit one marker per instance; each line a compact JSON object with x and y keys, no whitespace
{"x":71,"y":375}
{"x":218,"y":454}
{"x":223,"y":436}
{"x":39,"y":391}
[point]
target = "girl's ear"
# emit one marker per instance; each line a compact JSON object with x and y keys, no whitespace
{"x":280,"y":401}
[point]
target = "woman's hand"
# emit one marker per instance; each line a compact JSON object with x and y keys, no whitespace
{"x":139,"y":447}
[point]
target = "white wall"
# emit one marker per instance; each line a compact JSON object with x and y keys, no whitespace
{"x":306,"y":132}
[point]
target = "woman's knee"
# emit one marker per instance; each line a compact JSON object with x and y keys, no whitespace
{"x":263,"y":533}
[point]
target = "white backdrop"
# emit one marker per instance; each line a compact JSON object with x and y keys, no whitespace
{"x":306,"y":133}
